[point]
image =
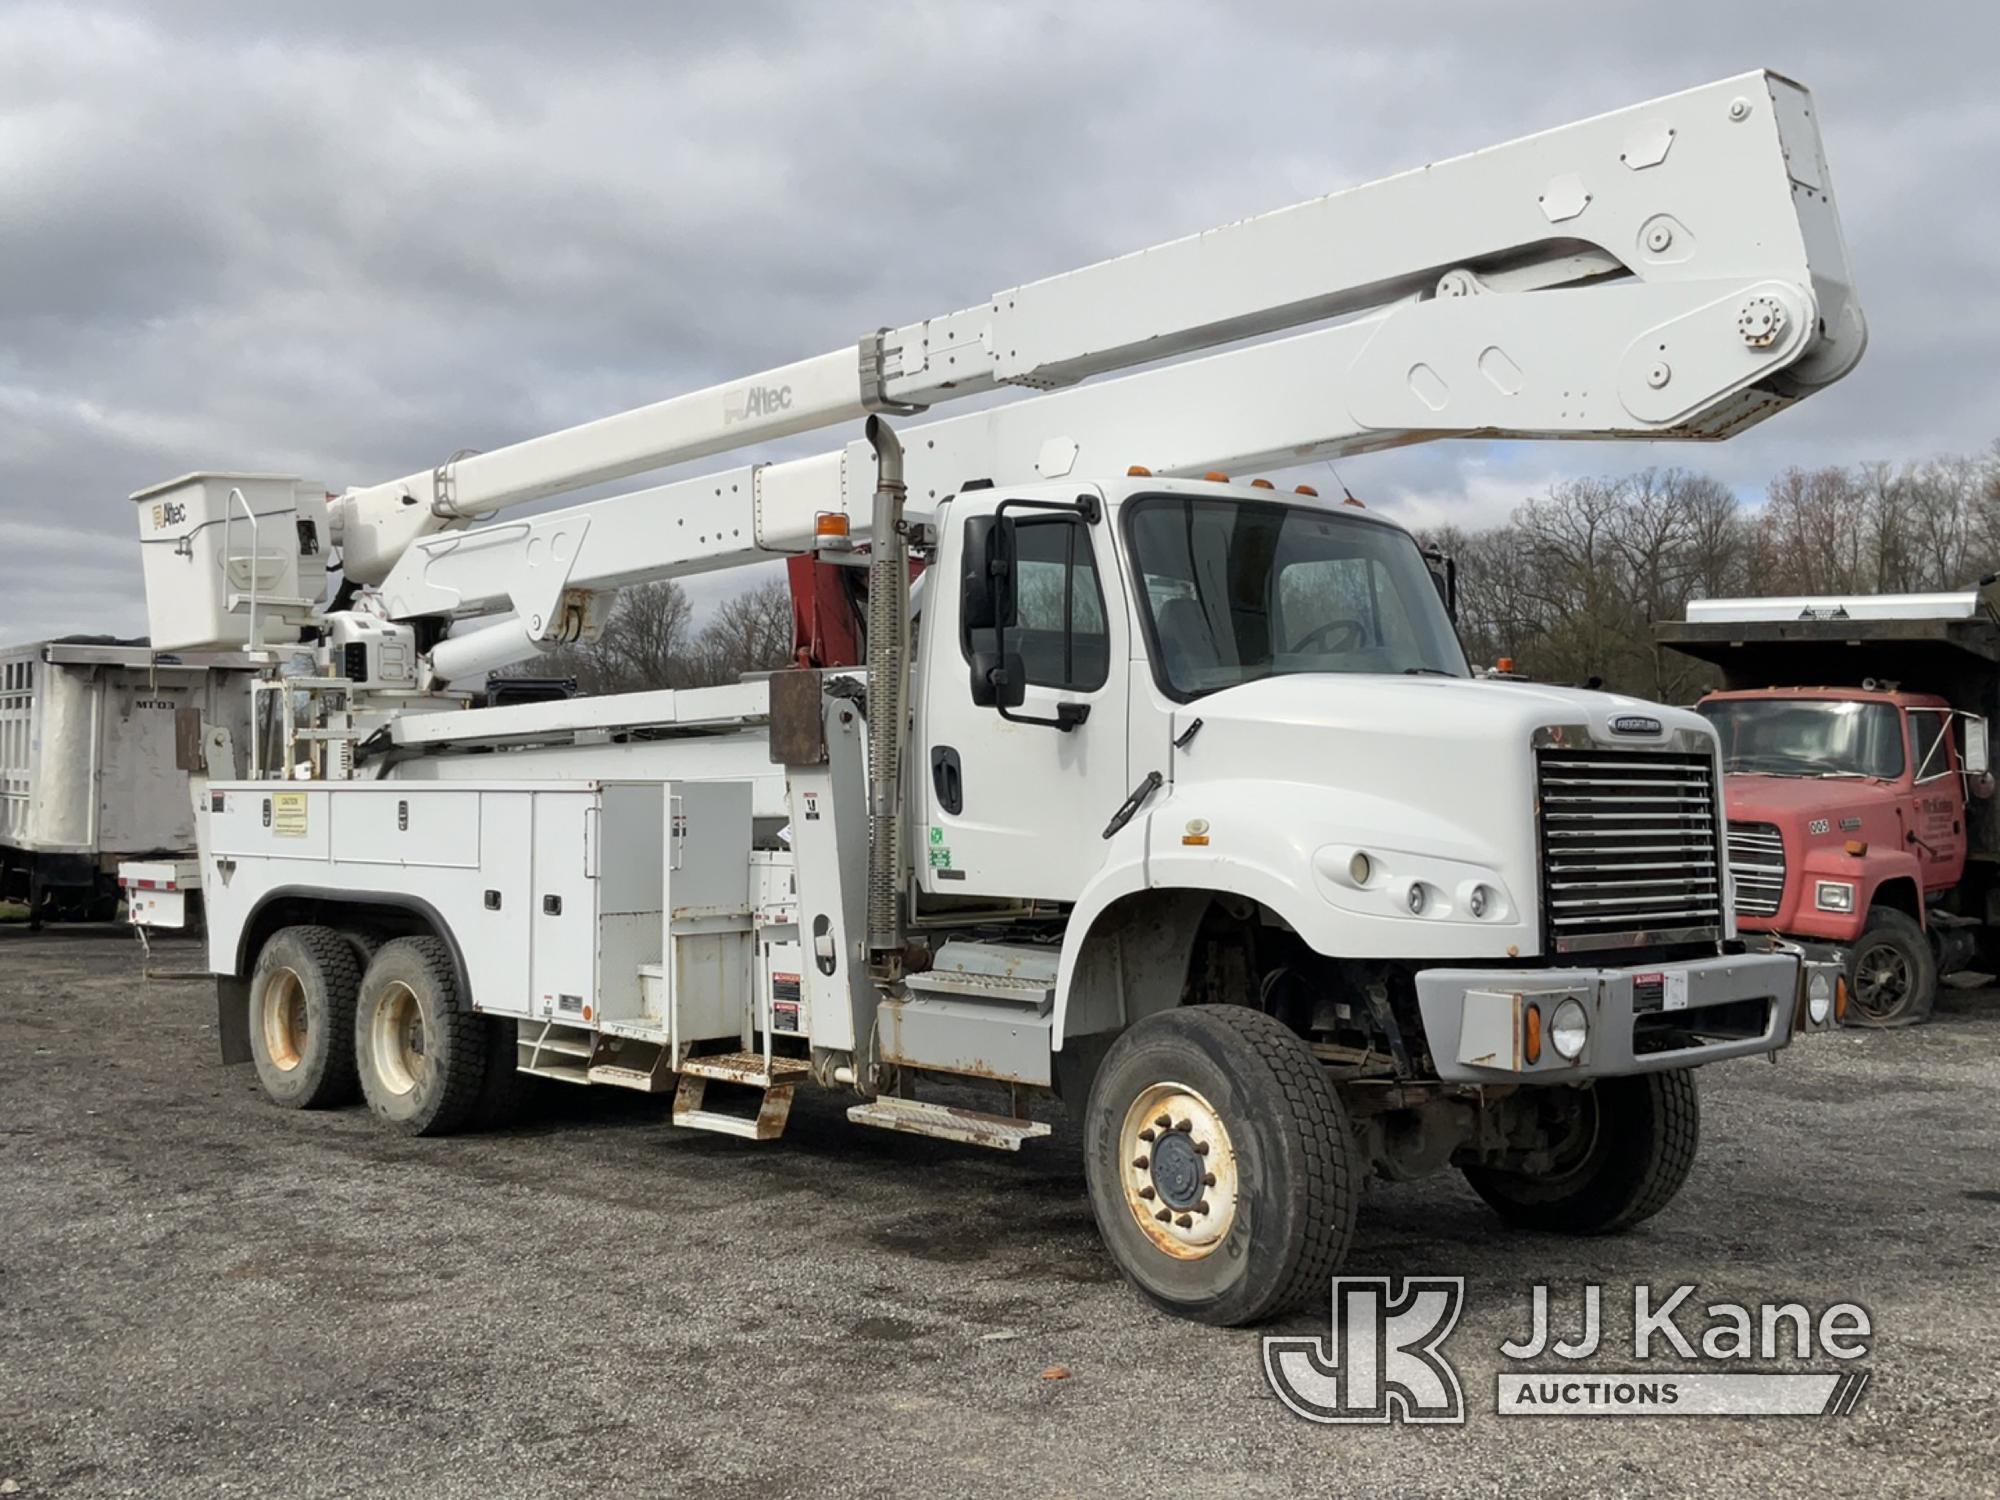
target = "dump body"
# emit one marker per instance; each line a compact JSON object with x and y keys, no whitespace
{"x":88,"y":768}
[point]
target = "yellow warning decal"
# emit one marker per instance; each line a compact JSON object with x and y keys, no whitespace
{"x":288,"y":814}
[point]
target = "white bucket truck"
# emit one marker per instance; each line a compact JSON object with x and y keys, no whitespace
{"x":1172,"y":796}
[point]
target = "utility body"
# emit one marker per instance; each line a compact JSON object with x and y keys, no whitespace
{"x":1855,"y":749}
{"x":1169,"y":795}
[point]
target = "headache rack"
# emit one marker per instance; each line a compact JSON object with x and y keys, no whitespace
{"x":1631,"y":856}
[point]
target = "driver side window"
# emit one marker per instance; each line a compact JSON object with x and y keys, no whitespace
{"x":1059,"y":618}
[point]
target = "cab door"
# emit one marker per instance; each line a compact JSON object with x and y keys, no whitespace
{"x":1936,"y":817}
{"x":1014,"y":805}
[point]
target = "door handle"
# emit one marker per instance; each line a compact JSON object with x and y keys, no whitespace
{"x":947,"y":779}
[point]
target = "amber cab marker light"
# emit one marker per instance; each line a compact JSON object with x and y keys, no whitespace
{"x":1138,"y":471}
{"x":1216,"y":476}
{"x":1306,"y":489}
{"x":1262,"y":484}
{"x":1504,"y":664}
{"x":1531,"y":1034}
{"x":830,"y":523}
{"x":1856,"y":848}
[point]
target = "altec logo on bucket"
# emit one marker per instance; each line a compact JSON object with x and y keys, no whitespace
{"x":1385,"y":1360}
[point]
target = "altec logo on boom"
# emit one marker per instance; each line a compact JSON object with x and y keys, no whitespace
{"x":1384,"y":1361}
{"x":755,"y":401}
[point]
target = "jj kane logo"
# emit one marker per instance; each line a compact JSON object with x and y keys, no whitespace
{"x":1385,"y":1362}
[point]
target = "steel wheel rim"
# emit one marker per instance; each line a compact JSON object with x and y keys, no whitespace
{"x":1881,"y":980}
{"x":396,"y":1040}
{"x":1177,"y":1169}
{"x":286,"y":1023}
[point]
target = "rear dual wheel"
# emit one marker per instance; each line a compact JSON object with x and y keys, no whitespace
{"x":422,"y":1059}
{"x":302,"y":996}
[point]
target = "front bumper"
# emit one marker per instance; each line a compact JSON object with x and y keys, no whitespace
{"x":1641,"y":1020}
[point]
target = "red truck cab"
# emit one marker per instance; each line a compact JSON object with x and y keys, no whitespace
{"x":1847,"y":824}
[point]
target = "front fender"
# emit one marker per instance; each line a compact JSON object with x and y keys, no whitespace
{"x":1257,"y":840}
{"x":1866,"y":873}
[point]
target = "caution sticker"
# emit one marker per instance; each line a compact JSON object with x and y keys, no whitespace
{"x":288,"y":814}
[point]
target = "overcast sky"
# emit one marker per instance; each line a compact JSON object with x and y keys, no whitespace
{"x":347,"y":239}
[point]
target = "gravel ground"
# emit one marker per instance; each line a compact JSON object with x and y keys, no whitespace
{"x":200,"y":1294}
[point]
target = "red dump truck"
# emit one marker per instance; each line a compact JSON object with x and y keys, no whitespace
{"x":1854,"y":744}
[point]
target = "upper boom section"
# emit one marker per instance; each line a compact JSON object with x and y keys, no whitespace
{"x":1675,"y":269}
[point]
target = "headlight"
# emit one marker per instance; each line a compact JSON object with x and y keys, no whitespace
{"x":1819,"y":997}
{"x":1569,"y":1029}
{"x":1478,"y":901}
{"x":1416,"y":899}
{"x":1834,"y":895}
{"x":1359,"y":868}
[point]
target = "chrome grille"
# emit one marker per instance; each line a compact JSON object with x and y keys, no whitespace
{"x":1757,"y":868}
{"x":1629,"y":848}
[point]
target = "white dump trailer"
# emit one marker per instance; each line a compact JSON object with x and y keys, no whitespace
{"x":88,"y":769}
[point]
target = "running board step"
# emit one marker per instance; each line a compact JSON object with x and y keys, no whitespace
{"x":968,"y":1126}
{"x":747,"y":1068}
{"x":777,"y":1078}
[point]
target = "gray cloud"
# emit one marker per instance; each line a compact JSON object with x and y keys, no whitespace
{"x":346,"y":240}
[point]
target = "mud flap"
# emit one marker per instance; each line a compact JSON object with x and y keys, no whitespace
{"x":232,"y":1018}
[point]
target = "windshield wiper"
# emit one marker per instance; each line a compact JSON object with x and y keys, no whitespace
{"x":1427,"y":672}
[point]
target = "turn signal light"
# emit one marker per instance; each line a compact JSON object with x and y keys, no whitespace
{"x":1856,"y":848}
{"x":1840,"y":998}
{"x":1531,"y":1034}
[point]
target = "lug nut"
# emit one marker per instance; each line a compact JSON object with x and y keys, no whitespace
{"x":1208,"y":1179}
{"x":1147,"y":1136}
{"x":1201,"y":1148}
{"x":1184,"y":1222}
{"x":1165,"y":1122}
{"x":1164,"y":1215}
{"x":1146,"y":1193}
{"x":1185,"y":1127}
{"x":1201,"y":1207}
{"x":1142,"y":1162}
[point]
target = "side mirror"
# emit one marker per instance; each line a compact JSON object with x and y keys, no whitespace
{"x":998,"y":681}
{"x":1978,"y":755}
{"x":986,"y":573}
{"x":1444,"y":578}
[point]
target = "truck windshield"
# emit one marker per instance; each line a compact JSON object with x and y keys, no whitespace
{"x":1239,"y":589}
{"x":1807,"y":737}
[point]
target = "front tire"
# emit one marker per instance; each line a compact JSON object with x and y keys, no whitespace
{"x":421,"y":1057}
{"x":1634,"y":1143}
{"x":1241,"y":1204}
{"x":1892,"y":975}
{"x":302,"y":1018}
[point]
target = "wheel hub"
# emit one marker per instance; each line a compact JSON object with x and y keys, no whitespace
{"x":285,"y":1021}
{"x":1179,"y":1171}
{"x":396,"y":1041}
